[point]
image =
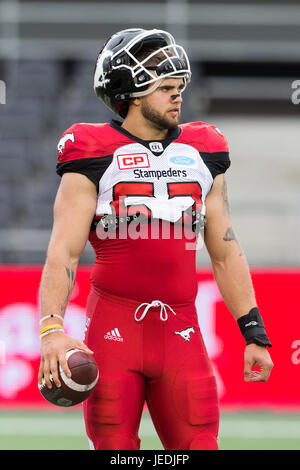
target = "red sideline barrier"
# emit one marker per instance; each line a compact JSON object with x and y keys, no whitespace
{"x":277,"y":295}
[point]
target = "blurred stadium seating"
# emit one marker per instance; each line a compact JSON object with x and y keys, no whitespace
{"x":245,"y":56}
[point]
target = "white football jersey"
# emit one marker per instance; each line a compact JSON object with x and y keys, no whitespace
{"x":165,"y":177}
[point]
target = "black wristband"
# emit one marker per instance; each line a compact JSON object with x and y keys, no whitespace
{"x":253,"y":329}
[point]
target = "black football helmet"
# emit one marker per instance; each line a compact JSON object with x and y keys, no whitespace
{"x":120,"y":76}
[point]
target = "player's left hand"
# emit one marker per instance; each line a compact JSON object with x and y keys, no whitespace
{"x":257,"y":356}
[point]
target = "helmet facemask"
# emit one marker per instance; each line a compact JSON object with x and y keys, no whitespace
{"x":173,"y":63}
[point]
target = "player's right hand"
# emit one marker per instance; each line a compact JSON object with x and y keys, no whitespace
{"x":53,"y":353}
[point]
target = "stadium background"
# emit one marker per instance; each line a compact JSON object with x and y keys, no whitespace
{"x":245,"y":57}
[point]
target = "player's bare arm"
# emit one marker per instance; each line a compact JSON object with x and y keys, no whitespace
{"x":74,"y":209}
{"x":232,"y":273}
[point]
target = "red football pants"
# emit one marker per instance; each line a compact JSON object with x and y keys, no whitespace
{"x":161,"y":359}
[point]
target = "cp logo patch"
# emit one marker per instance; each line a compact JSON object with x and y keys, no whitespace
{"x":134,"y":160}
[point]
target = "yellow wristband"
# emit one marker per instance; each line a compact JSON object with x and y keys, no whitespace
{"x":50,"y":327}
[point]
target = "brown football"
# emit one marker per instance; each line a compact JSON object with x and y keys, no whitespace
{"x":79,"y":386}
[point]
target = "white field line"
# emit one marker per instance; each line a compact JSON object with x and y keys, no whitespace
{"x":229,"y":428}
{"x":41,"y":426}
{"x":262,"y":429}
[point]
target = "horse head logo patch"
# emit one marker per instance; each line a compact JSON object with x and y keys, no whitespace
{"x":63,"y":140}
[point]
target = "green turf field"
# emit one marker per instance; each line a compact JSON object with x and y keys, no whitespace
{"x":65,"y":430}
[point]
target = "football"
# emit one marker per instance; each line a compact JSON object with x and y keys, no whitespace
{"x":79,"y":386}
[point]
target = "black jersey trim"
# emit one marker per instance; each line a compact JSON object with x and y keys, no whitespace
{"x":172,"y":135}
{"x":216,"y":162}
{"x":93,"y":168}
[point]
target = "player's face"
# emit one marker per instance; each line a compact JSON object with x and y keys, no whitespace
{"x":163,"y":107}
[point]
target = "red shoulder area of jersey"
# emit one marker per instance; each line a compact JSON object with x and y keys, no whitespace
{"x":89,"y":140}
{"x":204,"y":137}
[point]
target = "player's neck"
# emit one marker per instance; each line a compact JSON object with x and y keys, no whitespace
{"x":143,"y":129}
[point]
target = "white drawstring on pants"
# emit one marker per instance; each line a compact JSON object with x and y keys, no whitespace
{"x":155,"y":303}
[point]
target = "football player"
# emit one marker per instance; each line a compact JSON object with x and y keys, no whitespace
{"x":141,"y":189}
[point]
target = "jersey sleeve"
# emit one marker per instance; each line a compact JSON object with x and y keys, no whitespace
{"x":77,"y":153}
{"x":216,"y":152}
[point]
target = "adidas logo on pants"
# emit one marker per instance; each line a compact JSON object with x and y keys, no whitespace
{"x":114,"y":335}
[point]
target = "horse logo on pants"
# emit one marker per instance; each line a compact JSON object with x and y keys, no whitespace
{"x":185,"y":334}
